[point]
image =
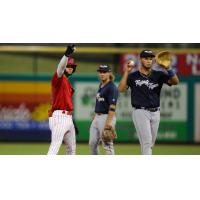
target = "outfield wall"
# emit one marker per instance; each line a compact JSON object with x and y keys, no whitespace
{"x":24,"y":102}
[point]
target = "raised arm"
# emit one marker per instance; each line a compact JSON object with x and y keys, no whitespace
{"x":62,"y":65}
{"x":63,"y":62}
{"x":123,"y":83}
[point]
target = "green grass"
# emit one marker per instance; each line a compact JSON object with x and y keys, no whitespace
{"x":83,"y":149}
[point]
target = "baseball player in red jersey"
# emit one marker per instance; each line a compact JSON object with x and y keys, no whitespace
{"x":60,"y":115}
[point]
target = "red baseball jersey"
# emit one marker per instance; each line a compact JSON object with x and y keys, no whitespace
{"x":62,"y":93}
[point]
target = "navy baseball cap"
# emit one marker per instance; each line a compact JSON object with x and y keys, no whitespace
{"x":104,"y":68}
{"x":147,"y":53}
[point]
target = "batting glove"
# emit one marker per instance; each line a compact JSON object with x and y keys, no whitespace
{"x":70,"y":50}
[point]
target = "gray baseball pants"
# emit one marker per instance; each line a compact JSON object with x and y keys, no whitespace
{"x":146,"y":124}
{"x":96,"y":130}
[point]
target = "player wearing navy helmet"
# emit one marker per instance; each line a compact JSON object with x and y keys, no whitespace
{"x":106,"y":100}
{"x":146,"y":85}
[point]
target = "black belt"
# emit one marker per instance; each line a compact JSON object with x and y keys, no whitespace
{"x":149,"y":109}
{"x":101,"y":113}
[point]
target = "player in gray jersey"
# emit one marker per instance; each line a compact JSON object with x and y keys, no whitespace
{"x":146,"y":85}
{"x":106,"y":100}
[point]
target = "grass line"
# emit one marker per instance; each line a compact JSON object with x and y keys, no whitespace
{"x":83,"y":149}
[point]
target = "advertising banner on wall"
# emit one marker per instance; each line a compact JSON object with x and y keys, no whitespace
{"x":173,"y":126}
{"x":182,"y":63}
{"x":24,"y":106}
{"x":173,"y":102}
{"x":84,"y":111}
{"x":197,"y":113}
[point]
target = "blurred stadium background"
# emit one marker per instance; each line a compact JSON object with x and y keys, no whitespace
{"x":25,"y":74}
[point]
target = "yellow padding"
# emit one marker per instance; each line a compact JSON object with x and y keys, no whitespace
{"x":111,"y":50}
{"x":24,"y":87}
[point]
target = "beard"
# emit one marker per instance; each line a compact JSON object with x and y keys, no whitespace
{"x":66,"y":74}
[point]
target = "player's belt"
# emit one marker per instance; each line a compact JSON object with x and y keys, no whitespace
{"x":101,"y":113}
{"x":67,"y":112}
{"x":149,"y":109}
{"x":62,"y":111}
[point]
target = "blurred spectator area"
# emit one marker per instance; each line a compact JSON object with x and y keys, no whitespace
{"x":39,"y":59}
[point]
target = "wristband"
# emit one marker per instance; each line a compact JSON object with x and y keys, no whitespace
{"x":171,"y":73}
{"x":112,"y":109}
{"x":69,"y":50}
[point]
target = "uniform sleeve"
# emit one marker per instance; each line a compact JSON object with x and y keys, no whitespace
{"x":164,"y":78}
{"x":61,"y":66}
{"x":113,"y":95}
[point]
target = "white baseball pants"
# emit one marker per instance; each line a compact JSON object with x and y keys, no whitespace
{"x":62,"y":129}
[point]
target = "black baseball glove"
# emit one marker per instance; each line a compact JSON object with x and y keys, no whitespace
{"x":70,"y":50}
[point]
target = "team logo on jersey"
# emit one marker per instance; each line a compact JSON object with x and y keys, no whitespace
{"x":151,"y":86}
{"x":99,"y":98}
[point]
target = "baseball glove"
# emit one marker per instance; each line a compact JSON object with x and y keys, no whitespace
{"x":108,"y":134}
{"x":164,"y":59}
{"x":70,"y":50}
